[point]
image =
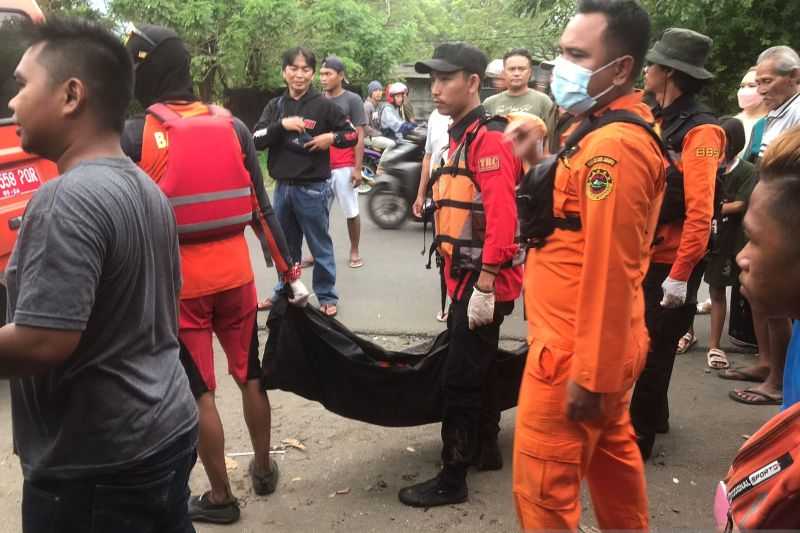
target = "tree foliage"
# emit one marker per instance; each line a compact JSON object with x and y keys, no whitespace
{"x":238,"y":43}
{"x":741,"y":29}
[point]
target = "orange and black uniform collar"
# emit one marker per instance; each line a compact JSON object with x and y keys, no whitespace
{"x":458,"y":130}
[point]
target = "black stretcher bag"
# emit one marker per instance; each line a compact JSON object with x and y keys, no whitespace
{"x":319,"y":359}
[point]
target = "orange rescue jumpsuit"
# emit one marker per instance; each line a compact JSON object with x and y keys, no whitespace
{"x":585,"y":308}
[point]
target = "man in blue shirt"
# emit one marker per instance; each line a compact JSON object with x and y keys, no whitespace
{"x":791,"y":372}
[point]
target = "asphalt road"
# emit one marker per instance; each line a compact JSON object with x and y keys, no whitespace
{"x":393,"y":292}
{"x":347,"y":477}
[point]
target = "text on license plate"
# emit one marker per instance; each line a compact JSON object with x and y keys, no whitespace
{"x":17,"y":181}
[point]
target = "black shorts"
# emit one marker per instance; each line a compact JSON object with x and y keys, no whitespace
{"x":721,"y":271}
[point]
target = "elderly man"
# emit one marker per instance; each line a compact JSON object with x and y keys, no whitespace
{"x":777,"y":76}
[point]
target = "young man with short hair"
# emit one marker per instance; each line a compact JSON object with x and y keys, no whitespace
{"x":482,"y":269}
{"x":346,"y":163}
{"x":770,"y":262}
{"x":297,"y":128}
{"x":104,"y":420}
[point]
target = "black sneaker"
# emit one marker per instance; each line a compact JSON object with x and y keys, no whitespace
{"x":264,"y":484}
{"x":433,"y":493}
{"x":202,"y":510}
{"x":646,"y":444}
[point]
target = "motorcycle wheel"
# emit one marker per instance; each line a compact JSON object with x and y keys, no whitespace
{"x":386,"y":208}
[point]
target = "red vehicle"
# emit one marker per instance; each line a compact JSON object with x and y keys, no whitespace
{"x":21,"y":174}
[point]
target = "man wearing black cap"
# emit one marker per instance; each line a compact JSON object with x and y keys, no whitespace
{"x":194,"y":150}
{"x":476,"y":220}
{"x":346,"y":162}
{"x":674,"y":76}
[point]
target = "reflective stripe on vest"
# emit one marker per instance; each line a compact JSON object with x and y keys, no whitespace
{"x":209,"y":197}
{"x":185,"y":229}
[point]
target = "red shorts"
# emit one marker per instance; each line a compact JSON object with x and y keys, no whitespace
{"x":231,"y":315}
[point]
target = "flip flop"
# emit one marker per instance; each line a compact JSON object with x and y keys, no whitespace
{"x":717,"y":359}
{"x":356,"y":263}
{"x":329,"y":310}
{"x":265,"y":305}
{"x":686,"y":342}
{"x":736,"y":374}
{"x":764,"y":398}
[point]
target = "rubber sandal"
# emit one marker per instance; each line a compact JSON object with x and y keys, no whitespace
{"x":704,"y":308}
{"x":686,"y":342}
{"x":202,"y":510}
{"x":265,"y":305}
{"x":764,"y":398}
{"x":356,"y":263}
{"x":329,"y":310}
{"x":717,"y":359}
{"x":264,"y":484}
{"x":736,"y":374}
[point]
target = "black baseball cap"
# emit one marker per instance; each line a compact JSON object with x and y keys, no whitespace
{"x":452,"y":57}
{"x":333,"y":63}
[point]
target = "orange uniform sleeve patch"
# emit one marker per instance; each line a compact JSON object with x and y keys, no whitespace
{"x":599,"y":184}
{"x":487,"y":164}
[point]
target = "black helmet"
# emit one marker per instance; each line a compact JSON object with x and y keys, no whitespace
{"x":162,"y":63}
{"x":143,"y":39}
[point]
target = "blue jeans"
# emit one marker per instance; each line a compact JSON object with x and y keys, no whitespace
{"x":791,"y":372}
{"x":151,"y":497}
{"x":304,"y":210}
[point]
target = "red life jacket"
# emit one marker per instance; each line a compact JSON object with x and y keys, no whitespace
{"x":204,"y":176}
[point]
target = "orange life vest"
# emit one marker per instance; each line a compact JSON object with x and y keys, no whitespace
{"x":459,"y":218}
{"x":204,"y":176}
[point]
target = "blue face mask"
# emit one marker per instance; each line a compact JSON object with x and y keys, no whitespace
{"x":570,"y":86}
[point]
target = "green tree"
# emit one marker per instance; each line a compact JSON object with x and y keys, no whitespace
{"x":73,"y":8}
{"x":741,"y":29}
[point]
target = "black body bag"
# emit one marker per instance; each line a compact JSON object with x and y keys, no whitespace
{"x":319,"y":359}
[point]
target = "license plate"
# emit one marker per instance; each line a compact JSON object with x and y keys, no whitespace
{"x":17,"y":181}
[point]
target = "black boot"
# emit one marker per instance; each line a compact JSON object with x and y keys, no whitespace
{"x":447,"y":488}
{"x":646,"y":443}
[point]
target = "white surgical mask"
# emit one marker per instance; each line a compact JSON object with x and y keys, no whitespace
{"x":570,"y":85}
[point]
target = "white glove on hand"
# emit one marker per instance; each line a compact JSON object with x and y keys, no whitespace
{"x":674,"y":293}
{"x":480,"y":310}
{"x":300,"y":293}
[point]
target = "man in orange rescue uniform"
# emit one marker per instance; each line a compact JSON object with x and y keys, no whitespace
{"x":674,"y":76}
{"x":205,"y":162}
{"x":583,"y":286}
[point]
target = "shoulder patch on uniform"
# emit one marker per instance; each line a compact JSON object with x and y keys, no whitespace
{"x":599,"y":184}
{"x":487,"y":164}
{"x":601,"y":159}
{"x":707,"y":151}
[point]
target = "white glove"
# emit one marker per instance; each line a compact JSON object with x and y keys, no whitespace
{"x":480,"y":310}
{"x":300,"y":293}
{"x":674,"y":293}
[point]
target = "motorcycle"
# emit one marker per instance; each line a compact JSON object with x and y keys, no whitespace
{"x":395,"y":187}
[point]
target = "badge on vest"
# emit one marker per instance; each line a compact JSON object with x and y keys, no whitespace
{"x":599,"y":184}
{"x":487,"y":164}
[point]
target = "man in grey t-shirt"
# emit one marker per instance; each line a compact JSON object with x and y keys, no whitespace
{"x":518,"y":68}
{"x":104,"y":421}
{"x":346,"y":163}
